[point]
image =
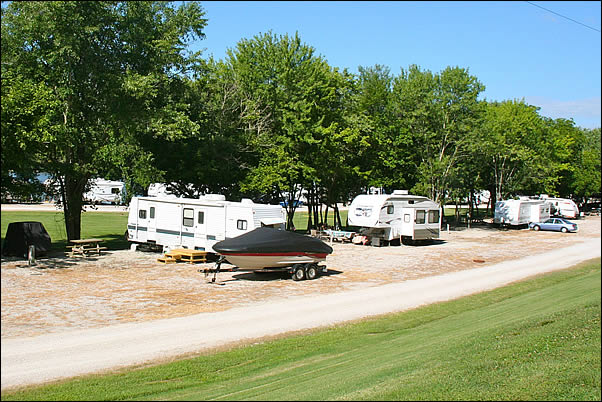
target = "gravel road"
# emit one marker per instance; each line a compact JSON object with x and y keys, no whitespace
{"x":37,"y":359}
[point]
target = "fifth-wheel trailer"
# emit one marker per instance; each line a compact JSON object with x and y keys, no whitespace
{"x":389,"y":218}
{"x":196,"y":223}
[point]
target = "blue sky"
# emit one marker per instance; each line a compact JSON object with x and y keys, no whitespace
{"x":515,"y":48}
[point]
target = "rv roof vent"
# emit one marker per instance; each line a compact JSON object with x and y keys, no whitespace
{"x":246,"y":201}
{"x":400,"y":192}
{"x":213,"y":197}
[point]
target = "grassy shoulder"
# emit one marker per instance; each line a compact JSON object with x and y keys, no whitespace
{"x":537,"y":339}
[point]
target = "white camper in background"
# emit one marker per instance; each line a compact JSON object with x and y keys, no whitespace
{"x":164,"y":189}
{"x":563,"y":207}
{"x":196,"y":223}
{"x":392,"y":217}
{"x":105,"y":191}
{"x":158,"y":190}
{"x":520,"y":212}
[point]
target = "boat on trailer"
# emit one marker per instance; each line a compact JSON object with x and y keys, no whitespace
{"x":267,"y":249}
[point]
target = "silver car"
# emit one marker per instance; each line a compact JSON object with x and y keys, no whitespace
{"x":556,"y":224}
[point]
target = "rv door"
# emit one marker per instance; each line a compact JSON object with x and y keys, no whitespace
{"x":407,"y":221}
{"x":142,"y":223}
{"x":194,"y":228}
{"x":188,"y":223}
{"x":152,"y":222}
{"x":200,"y":228}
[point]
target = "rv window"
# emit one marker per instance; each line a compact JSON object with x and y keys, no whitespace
{"x":142,"y":214}
{"x":152,"y":212}
{"x":201,"y":219}
{"x":241,"y":225}
{"x":420,"y":216}
{"x":390,"y":209}
{"x":406,"y":218}
{"x":188,"y":215}
{"x":114,"y":190}
{"x":363,"y":211}
{"x":434,"y":216}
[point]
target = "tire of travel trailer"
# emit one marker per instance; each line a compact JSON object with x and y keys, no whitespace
{"x":408,"y":241}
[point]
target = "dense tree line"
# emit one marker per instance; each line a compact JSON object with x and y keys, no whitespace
{"x":109,"y":89}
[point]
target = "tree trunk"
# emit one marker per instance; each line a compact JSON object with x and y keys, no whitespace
{"x":72,"y":206}
{"x":337,"y":218}
{"x":310,"y":202}
{"x":492,"y":199}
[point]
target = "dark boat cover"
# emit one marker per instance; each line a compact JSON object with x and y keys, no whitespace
{"x":21,"y":235}
{"x":270,"y":240}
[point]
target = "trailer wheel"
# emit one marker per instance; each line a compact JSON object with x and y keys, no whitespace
{"x":298,"y":272}
{"x":312,"y":271}
{"x":407,"y":241}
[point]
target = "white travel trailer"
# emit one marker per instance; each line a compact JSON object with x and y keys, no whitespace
{"x":158,"y":190}
{"x":105,"y":191}
{"x":520,"y":212}
{"x":196,"y":223}
{"x":164,"y":189}
{"x":101,"y":191}
{"x":564,"y":207}
{"x":395,"y":217}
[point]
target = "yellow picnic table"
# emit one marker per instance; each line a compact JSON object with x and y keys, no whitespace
{"x":183,"y":254}
{"x":84,"y":246}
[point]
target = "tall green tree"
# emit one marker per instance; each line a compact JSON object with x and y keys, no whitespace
{"x":586,"y":175}
{"x":510,"y":141}
{"x":339,"y":158}
{"x":389,"y":159}
{"x":565,"y":144}
{"x":441,"y":112}
{"x":103,"y":76}
{"x":290,"y":91}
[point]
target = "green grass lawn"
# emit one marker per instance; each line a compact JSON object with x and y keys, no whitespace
{"x":537,"y":339}
{"x":110,"y":226}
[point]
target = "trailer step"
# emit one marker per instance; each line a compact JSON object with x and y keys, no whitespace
{"x":167,"y":260}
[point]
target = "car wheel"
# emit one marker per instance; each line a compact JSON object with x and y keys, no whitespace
{"x":564,"y":230}
{"x":536,"y":228}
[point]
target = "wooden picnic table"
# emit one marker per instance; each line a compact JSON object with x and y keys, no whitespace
{"x":84,"y":246}
{"x":185,"y":255}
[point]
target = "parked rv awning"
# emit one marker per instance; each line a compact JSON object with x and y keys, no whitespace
{"x":272,"y":221}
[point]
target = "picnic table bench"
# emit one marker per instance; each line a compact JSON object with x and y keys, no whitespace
{"x":340,"y":235}
{"x":83,"y":247}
